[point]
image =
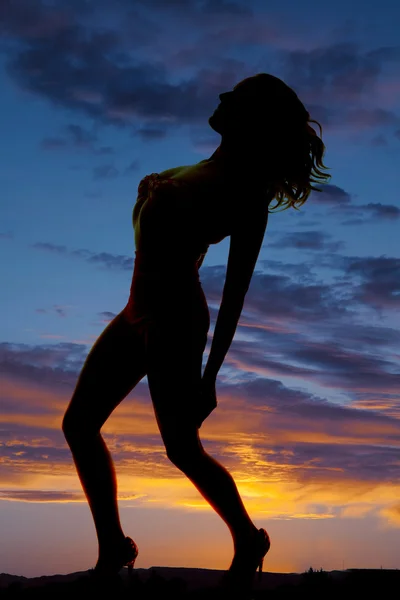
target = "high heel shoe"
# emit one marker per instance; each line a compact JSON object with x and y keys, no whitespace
{"x":124,"y":557}
{"x":246,"y":562}
{"x":265,"y":544}
{"x":132,"y":554}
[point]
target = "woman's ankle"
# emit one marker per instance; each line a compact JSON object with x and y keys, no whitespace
{"x":245,"y":537}
{"x":108,"y":544}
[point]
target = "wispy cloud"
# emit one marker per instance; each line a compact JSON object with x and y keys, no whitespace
{"x":76,"y":137}
{"x":97,"y":71}
{"x":307,"y":398}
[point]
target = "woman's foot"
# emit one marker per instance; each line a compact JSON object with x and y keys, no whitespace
{"x":110,"y":563}
{"x":249,"y":555}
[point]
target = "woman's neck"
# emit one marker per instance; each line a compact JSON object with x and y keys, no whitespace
{"x":231,"y":158}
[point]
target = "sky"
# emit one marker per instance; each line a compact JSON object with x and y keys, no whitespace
{"x":94,"y":96}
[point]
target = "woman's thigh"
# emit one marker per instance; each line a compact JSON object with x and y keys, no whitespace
{"x":113,"y":367}
{"x":174,"y":371}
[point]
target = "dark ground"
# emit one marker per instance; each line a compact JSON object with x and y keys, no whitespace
{"x":199,"y":584}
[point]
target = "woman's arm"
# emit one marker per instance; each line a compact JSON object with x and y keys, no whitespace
{"x":245,"y":246}
{"x":225,"y":327}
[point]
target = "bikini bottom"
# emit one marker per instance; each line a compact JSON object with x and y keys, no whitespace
{"x":171,"y":316}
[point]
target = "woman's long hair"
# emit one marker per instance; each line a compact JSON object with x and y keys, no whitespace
{"x":297,"y":165}
{"x":294,"y":151}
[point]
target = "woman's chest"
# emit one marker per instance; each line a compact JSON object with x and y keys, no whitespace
{"x":202,"y":206}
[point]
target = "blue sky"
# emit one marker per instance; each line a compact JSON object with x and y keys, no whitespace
{"x":96,"y":95}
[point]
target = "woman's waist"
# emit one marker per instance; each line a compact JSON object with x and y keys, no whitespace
{"x":155,"y":267}
{"x":155,"y":293}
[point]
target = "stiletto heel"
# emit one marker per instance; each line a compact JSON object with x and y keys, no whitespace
{"x":132,"y":552}
{"x":260,"y":568}
{"x":125,"y":557}
{"x":131,"y":563}
{"x":246,"y":562}
{"x":265,"y":545}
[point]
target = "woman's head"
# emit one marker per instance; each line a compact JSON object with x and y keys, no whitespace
{"x":263,"y":122}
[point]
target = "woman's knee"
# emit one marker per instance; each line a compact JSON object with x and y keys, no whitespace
{"x":70,"y":428}
{"x":183,"y":451}
{"x":77,"y":429}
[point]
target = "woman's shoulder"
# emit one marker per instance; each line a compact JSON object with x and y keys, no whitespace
{"x":239,"y":186}
{"x":193,"y":173}
{"x":196,"y":178}
{"x":171,"y":172}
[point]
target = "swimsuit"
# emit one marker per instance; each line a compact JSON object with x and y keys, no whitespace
{"x":167,"y":310}
{"x":165,"y":288}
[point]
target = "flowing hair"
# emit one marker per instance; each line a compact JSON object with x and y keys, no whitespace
{"x":300,"y":166}
{"x":295,"y":151}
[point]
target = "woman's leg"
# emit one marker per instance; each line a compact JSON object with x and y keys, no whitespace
{"x":114,"y":365}
{"x":212,"y":480}
{"x":174,"y":372}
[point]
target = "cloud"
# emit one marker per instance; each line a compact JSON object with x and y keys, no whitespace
{"x":341,"y":69}
{"x":86,"y":75}
{"x":331,"y":195}
{"x":308,"y":414}
{"x":221,"y":7}
{"x":50,"y":247}
{"x":308,"y":404}
{"x":42,"y":496}
{"x":341,"y":203}
{"x":379,"y":140}
{"x":105,"y":259}
{"x":105,"y":172}
{"x":314,"y":301}
{"x":81,"y":136}
{"x":379,"y":277}
{"x":114,"y":75}
{"x":78,"y":138}
{"x":32,"y":19}
{"x":132,"y":167}
{"x":363,"y":118}
{"x":53,"y":143}
{"x":382,"y":211}
{"x":151,"y":134}
{"x":58,"y":310}
{"x":308,"y":240}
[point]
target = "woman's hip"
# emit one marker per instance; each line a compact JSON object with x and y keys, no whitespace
{"x":169,"y":307}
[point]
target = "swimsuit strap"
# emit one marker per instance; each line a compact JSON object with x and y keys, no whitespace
{"x":152,"y":181}
{"x":146,"y":183}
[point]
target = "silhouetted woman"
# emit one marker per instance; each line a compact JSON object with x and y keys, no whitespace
{"x":268,"y":151}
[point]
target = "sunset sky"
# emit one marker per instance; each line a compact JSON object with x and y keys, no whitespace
{"x":94,"y":96}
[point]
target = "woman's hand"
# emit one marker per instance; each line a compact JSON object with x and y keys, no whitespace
{"x":207,"y":399}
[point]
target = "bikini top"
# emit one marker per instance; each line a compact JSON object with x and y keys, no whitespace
{"x":163,"y":219}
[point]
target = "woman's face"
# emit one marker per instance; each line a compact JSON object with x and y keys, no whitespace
{"x":239,"y":109}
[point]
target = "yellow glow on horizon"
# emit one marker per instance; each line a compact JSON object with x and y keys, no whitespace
{"x":274,"y":500}
{"x":251,"y":444}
